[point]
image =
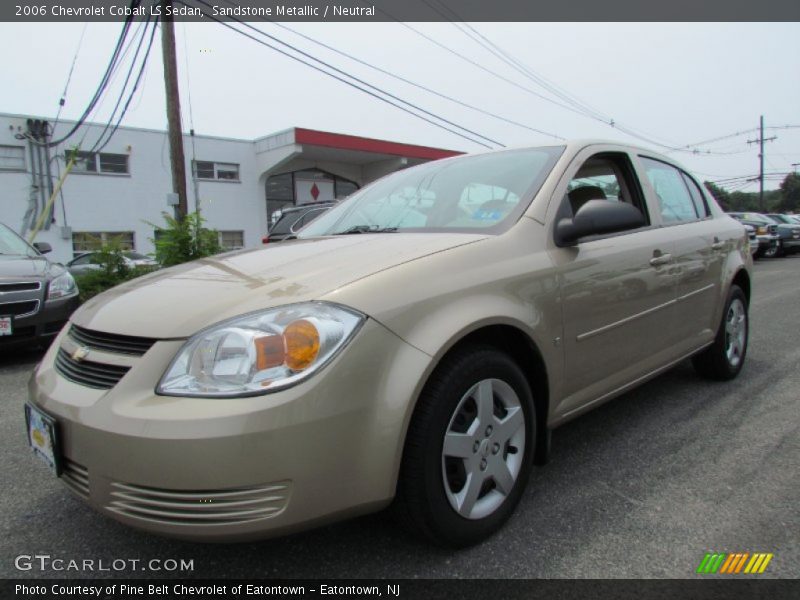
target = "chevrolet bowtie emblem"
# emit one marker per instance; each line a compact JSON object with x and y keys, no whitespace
{"x":80,"y":353}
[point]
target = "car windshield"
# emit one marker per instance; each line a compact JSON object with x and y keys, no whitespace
{"x":11,"y":243}
{"x":486,"y":192}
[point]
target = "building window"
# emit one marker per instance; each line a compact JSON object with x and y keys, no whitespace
{"x":89,"y":241}
{"x":206,"y":169}
{"x":91,"y":162}
{"x":231,"y":240}
{"x":12,"y":158}
{"x":303,"y":187}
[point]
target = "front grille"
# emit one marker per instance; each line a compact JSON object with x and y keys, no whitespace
{"x":218,"y":507}
{"x":111,"y":342}
{"x":20,"y":286}
{"x":88,"y":373}
{"x":19,"y":309}
{"x":76,"y":477}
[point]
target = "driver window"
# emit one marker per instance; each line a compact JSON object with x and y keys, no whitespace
{"x":604,"y":177}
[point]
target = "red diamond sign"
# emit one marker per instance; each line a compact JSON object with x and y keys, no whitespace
{"x":314,"y":192}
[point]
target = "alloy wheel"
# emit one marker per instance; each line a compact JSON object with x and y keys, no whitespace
{"x":483,"y":449}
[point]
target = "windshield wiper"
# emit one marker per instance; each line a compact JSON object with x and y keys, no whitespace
{"x":367,"y":229}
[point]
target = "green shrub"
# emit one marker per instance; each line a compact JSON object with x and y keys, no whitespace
{"x":184,"y":240}
{"x":94,"y":282}
{"x":113,"y":271}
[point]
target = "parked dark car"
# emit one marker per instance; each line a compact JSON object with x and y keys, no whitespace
{"x":36,"y":296}
{"x":293,"y":219}
{"x":769,"y":240}
{"x":789,"y":232}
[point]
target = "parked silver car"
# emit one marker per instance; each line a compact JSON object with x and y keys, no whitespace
{"x":87,"y":262}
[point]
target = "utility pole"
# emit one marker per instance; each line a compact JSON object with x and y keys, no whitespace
{"x":176,"y":156}
{"x":761,"y":141}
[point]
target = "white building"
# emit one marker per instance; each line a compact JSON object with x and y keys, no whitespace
{"x":121,"y":191}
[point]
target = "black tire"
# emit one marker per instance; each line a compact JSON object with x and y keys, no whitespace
{"x":425,"y":486}
{"x":775,"y":251}
{"x":718,"y":361}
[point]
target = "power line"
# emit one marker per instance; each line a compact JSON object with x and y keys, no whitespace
{"x":63,"y":100}
{"x":346,"y":81}
{"x":133,"y":90}
{"x":103,"y":81}
{"x":131,"y":68}
{"x":405,"y":80}
{"x":582,"y":112}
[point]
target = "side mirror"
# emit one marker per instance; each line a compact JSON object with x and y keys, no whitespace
{"x":597,"y":217}
{"x":43,"y":247}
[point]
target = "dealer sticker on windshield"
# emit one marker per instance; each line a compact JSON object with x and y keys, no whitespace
{"x":6,"y":326}
{"x":42,"y":436}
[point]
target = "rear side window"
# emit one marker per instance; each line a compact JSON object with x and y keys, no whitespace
{"x":284,"y":224}
{"x":674,"y":200}
{"x":697,"y":196}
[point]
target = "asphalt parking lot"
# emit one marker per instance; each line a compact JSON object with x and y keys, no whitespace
{"x":642,"y":487}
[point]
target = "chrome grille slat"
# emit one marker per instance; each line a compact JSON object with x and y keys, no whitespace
{"x":192,"y":507}
{"x":111,"y":342}
{"x":20,"y":286}
{"x":76,"y":477}
{"x":23,"y":308}
{"x":88,"y":373}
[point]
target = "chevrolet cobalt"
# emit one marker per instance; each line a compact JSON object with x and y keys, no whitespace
{"x":417,"y":344}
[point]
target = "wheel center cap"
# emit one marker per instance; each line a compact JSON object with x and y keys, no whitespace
{"x":484,"y":448}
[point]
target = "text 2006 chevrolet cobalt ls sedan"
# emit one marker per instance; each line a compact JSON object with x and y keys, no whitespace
{"x":416,"y":344}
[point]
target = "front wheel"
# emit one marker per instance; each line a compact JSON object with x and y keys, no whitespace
{"x":725,"y":357}
{"x":774,"y":251}
{"x":469,"y":448}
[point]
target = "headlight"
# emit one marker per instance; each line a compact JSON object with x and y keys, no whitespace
{"x":260,"y":352}
{"x":62,"y":286}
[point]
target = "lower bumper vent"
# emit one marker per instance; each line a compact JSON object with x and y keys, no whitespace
{"x":76,"y":477}
{"x":218,"y":507}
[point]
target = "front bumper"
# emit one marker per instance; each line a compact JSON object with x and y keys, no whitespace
{"x":42,"y":326}
{"x":243,"y":468}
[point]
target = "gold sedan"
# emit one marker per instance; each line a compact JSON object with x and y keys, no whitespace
{"x":417,"y":344}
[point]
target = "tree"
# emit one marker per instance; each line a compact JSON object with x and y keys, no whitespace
{"x":722,"y":196}
{"x":790,"y":193}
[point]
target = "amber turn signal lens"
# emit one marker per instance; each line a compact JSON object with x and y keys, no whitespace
{"x":269,"y":352}
{"x":302,"y":344}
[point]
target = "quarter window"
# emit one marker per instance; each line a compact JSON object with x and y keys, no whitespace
{"x":675,"y":202}
{"x":12,"y":158}
{"x":697,"y":196}
{"x":206,"y":169}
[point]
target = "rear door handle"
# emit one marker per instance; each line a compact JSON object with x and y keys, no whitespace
{"x":661,"y":259}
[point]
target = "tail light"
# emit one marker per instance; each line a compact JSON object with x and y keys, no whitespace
{"x":265,"y":239}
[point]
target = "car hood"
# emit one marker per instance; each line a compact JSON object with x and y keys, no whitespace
{"x":24,"y":266}
{"x":179,"y":301}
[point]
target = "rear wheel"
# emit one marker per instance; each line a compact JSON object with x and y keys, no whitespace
{"x":725,"y":357}
{"x":469,"y":448}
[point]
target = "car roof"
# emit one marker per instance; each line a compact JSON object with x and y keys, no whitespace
{"x":291,"y":209}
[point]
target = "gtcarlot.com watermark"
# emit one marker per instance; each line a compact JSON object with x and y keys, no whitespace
{"x":49,"y":563}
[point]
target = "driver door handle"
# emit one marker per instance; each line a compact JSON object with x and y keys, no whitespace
{"x":661,"y":259}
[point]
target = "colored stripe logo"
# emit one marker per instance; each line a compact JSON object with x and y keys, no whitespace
{"x":734,"y":563}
